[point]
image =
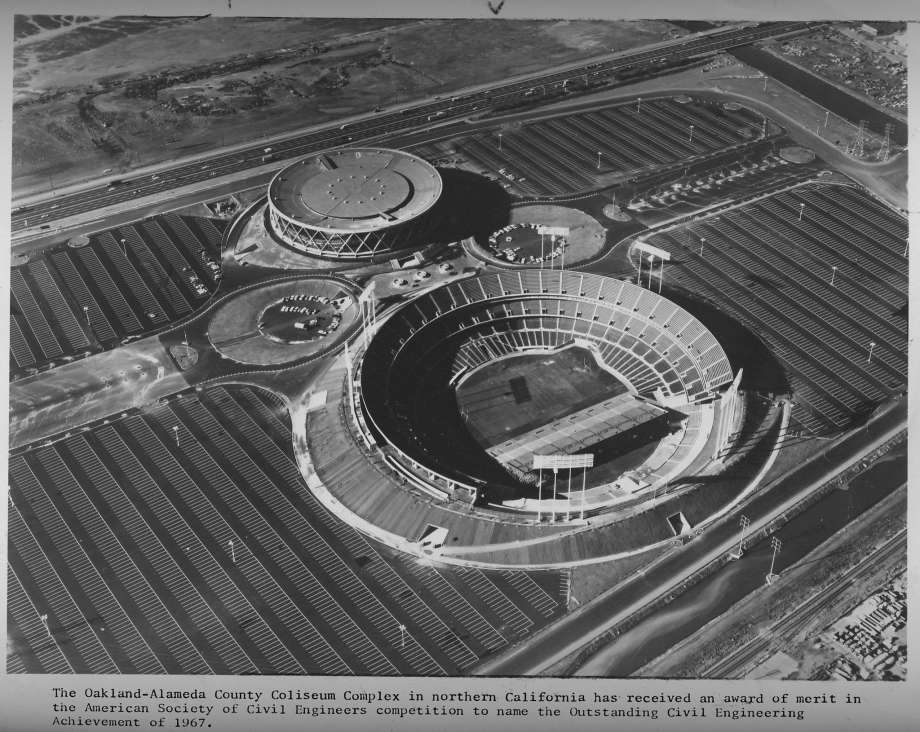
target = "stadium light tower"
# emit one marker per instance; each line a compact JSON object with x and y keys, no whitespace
{"x":871,"y":348}
{"x":660,"y":275}
{"x":651,"y":266}
{"x":833,"y":274}
{"x":736,"y":553}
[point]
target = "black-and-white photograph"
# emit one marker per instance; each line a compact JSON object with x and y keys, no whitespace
{"x":486,"y":346}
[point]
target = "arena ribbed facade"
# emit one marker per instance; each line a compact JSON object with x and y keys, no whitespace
{"x":354,"y":203}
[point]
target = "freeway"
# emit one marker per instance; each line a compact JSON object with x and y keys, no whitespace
{"x":577,"y":629}
{"x":41,"y":214}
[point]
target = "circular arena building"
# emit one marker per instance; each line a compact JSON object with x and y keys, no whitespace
{"x":664,"y":357}
{"x":354,"y":203}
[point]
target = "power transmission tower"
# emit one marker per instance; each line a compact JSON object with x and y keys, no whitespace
{"x":858,"y":145}
{"x":885,"y":149}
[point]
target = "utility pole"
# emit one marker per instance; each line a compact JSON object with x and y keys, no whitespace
{"x":776,"y":544}
{"x":736,"y":553}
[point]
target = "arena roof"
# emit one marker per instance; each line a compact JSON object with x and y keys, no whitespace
{"x":355,"y":189}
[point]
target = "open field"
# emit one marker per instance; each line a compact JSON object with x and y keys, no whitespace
{"x":117,"y":95}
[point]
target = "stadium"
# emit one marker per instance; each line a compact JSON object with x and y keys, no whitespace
{"x":353,"y":203}
{"x":675,"y":394}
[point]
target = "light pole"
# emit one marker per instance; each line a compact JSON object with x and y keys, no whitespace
{"x":776,"y":544}
{"x":801,"y":210}
{"x":539,"y":495}
{"x":639,"y":105}
{"x":402,"y":635}
{"x":555,"y":478}
{"x":833,"y":274}
{"x":568,"y":503}
{"x":499,"y":141}
{"x":827,"y":117}
{"x":736,"y":553}
{"x":44,"y":619}
{"x":871,"y":348}
{"x":598,"y":159}
{"x":702,"y":245}
{"x":691,"y":134}
{"x":176,"y":433}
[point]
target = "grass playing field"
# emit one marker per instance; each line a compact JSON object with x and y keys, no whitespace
{"x":512,"y":396}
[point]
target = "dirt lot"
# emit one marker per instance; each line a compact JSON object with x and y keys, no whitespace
{"x":117,"y":93}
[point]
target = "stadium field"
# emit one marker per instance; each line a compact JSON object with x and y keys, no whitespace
{"x":514,"y":395}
